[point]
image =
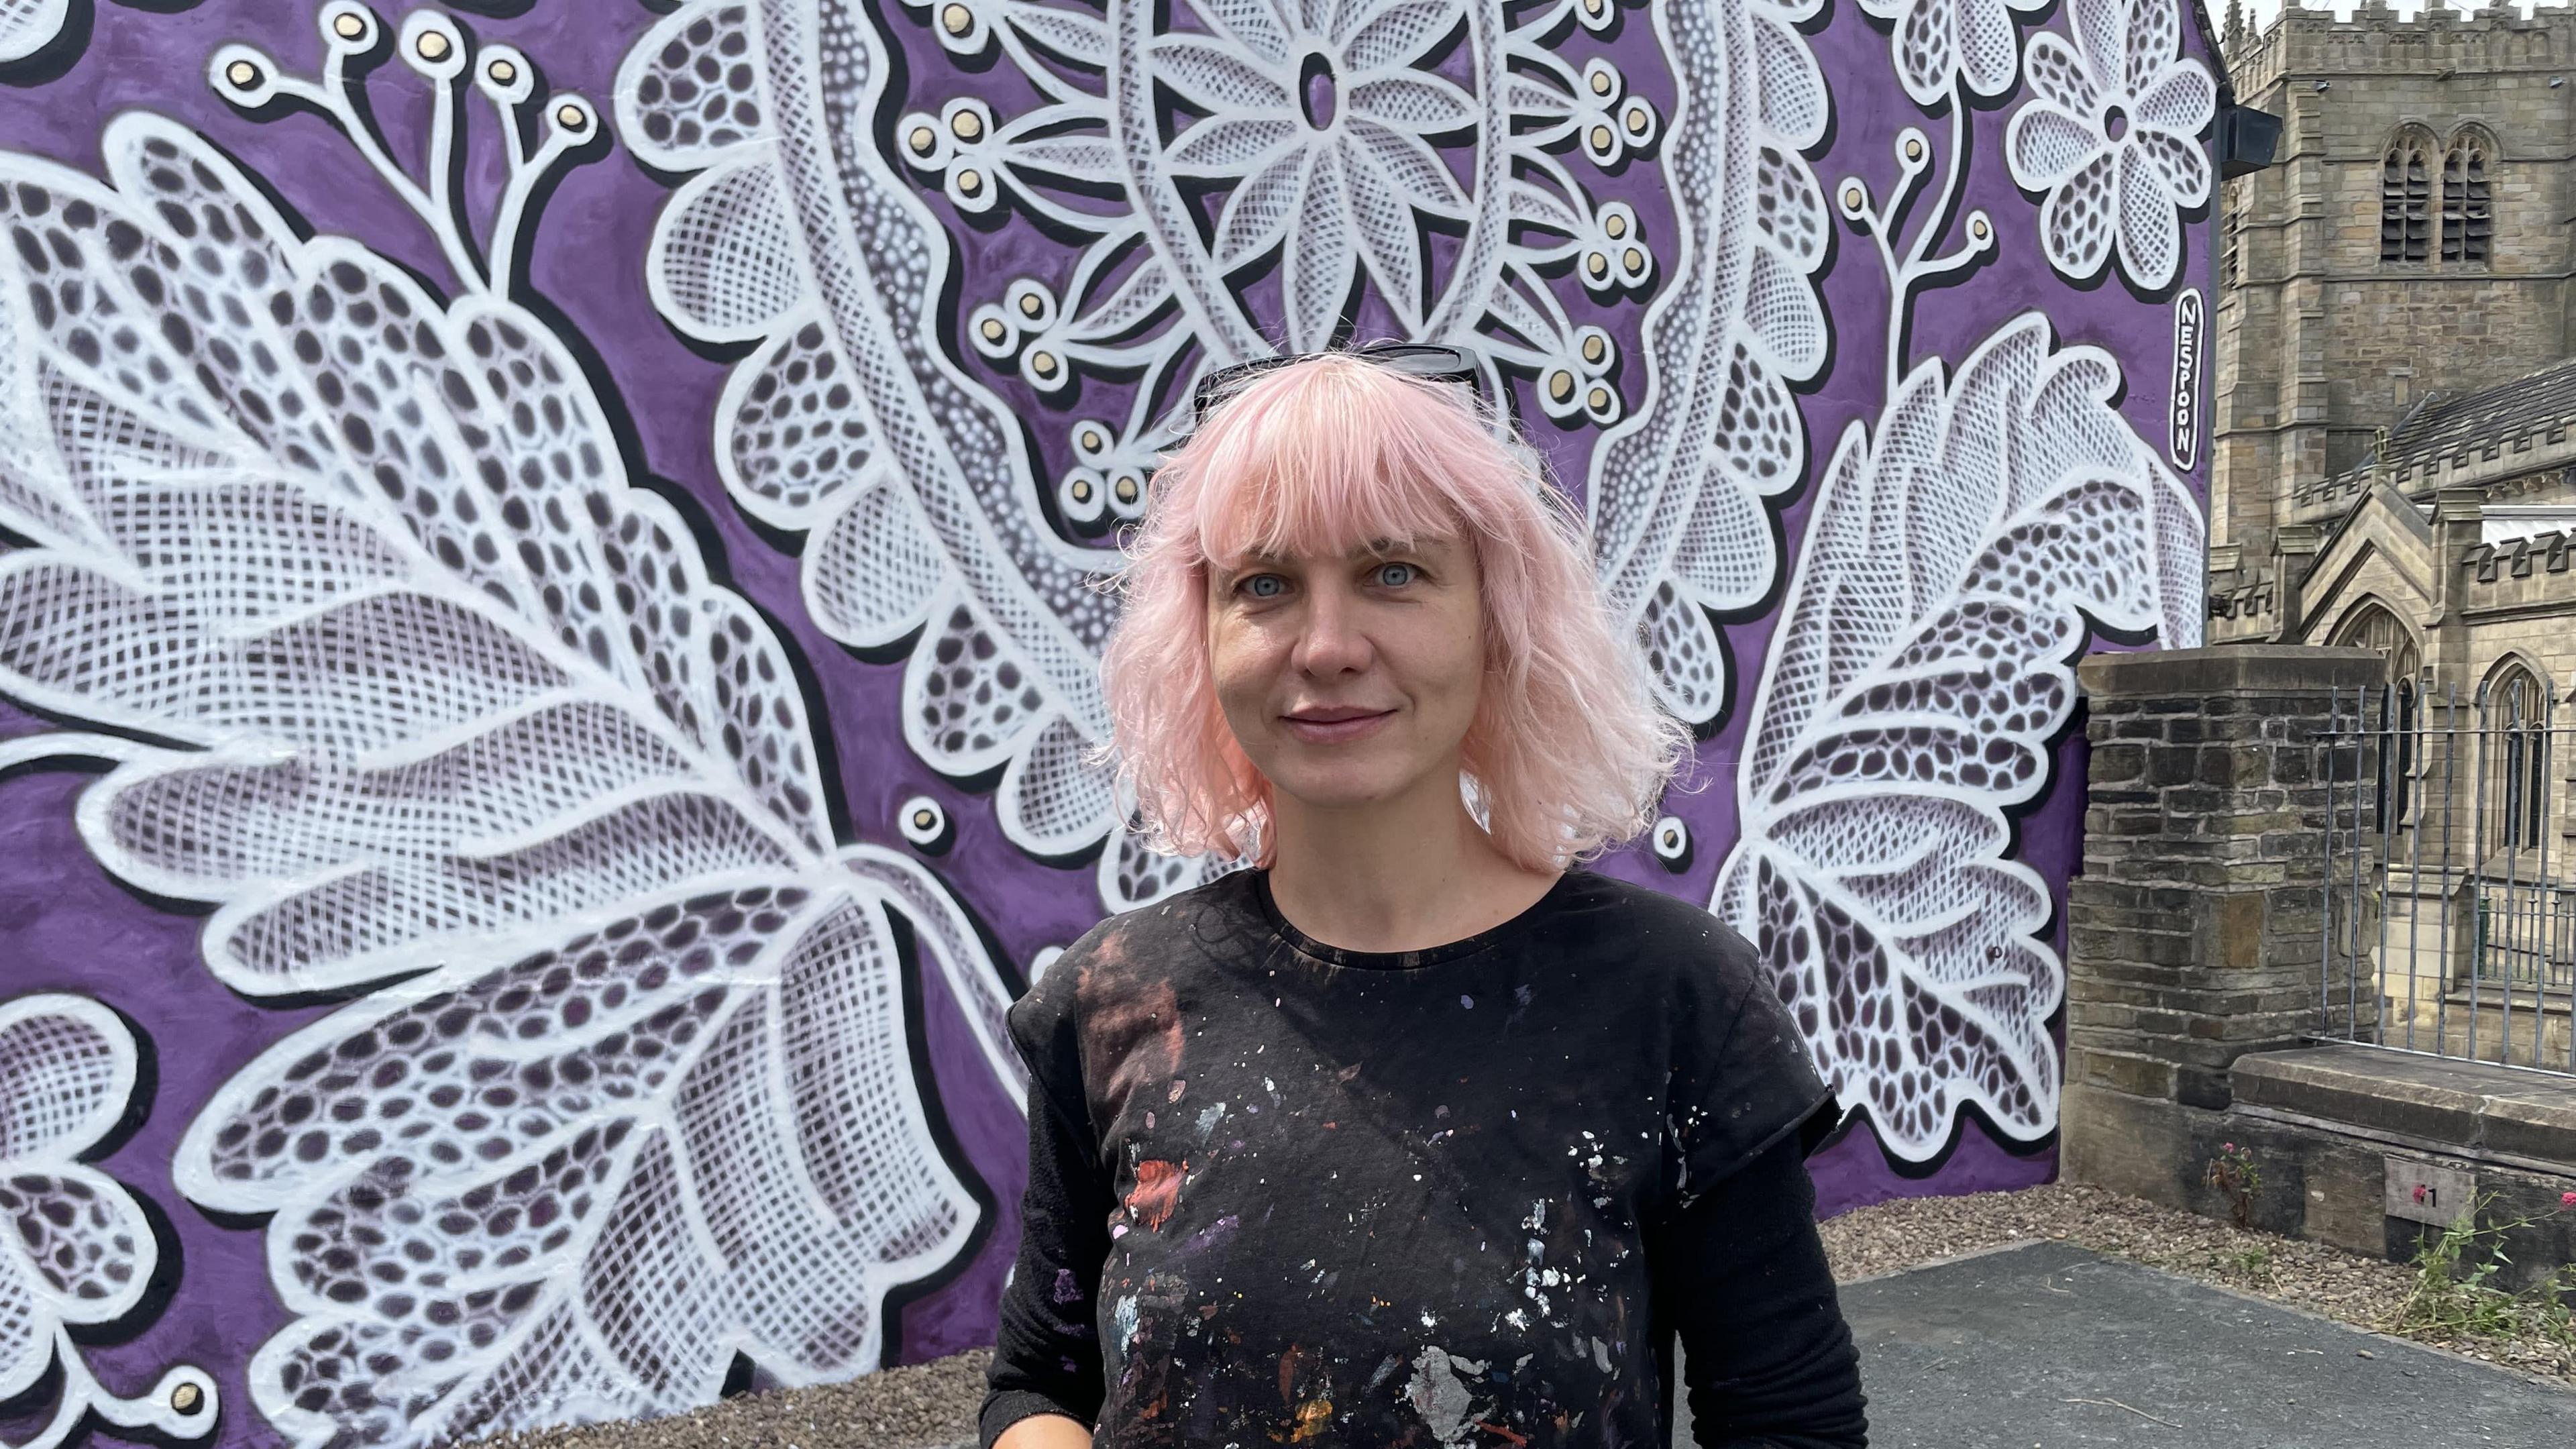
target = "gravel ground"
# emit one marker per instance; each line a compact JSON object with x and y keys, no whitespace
{"x":903,"y":1408}
{"x":934,"y":1404}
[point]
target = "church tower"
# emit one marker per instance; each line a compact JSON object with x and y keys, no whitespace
{"x":2413,"y":238}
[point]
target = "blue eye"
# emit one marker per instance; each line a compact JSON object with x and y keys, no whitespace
{"x":1396,"y":575}
{"x":1263,"y":586}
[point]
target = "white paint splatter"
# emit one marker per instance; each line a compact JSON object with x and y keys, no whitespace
{"x":1125,"y":1313}
{"x":1444,"y":1402}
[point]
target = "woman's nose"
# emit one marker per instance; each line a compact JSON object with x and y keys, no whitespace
{"x":1332,"y":641}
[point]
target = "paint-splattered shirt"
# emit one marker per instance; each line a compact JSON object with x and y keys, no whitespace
{"x":1281,"y":1192}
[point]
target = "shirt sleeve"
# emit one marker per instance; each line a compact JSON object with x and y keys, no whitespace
{"x":1741,"y":1079}
{"x":1046,"y":1354}
{"x":1740,"y":1274}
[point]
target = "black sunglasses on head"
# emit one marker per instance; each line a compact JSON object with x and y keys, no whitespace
{"x":1433,"y":361}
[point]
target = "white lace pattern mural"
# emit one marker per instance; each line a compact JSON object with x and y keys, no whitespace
{"x":463,"y":731}
{"x":611,"y":696}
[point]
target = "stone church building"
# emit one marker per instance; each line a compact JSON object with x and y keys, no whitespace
{"x":2394,"y":466}
{"x":2395,"y":419}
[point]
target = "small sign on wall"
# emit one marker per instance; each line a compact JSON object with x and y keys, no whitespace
{"x":2422,"y":1191}
{"x":2190,"y":315}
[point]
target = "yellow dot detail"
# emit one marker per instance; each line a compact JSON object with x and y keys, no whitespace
{"x":1601,"y":82}
{"x":1560,"y":385}
{"x":1913,"y":150}
{"x":1082,"y":492}
{"x":923,"y":820}
{"x":922,"y":139}
{"x":1594,"y":349}
{"x":187,"y":1399}
{"x":970,"y":181}
{"x":1601,"y":138}
{"x":1979,"y":231}
{"x":348,"y":26}
{"x":1633,"y":259}
{"x":1597,"y":264}
{"x":1091,"y":441}
{"x":994,"y":331}
{"x":1042,"y":363}
{"x":1598,"y":399}
{"x":1638,"y":120}
{"x":432,"y":45}
{"x":571,"y":118}
{"x":958,"y":19}
{"x":1032,"y":304}
{"x":1852,"y":197}
{"x":502,"y":72}
{"x":242,"y":73}
{"x":1615,"y":224}
{"x":967,"y":125}
{"x":1592,"y":7}
{"x":1126,"y":490}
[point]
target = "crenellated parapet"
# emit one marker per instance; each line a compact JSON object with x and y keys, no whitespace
{"x":2248,"y":603}
{"x":2501,"y":563}
{"x":2542,"y":462}
{"x":2377,"y":40}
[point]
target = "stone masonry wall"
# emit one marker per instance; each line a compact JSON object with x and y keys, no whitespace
{"x":2195,"y":933}
{"x":2197,"y":937}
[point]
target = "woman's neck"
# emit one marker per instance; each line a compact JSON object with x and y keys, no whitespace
{"x":1398,"y":875}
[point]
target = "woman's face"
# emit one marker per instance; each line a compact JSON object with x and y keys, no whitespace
{"x":1349,"y":681}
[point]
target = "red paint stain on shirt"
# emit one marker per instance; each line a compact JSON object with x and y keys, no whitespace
{"x":1156,"y":1193}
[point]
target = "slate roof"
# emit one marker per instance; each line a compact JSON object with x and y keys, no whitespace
{"x":2444,"y":424}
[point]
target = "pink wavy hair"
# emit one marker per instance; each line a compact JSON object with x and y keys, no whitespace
{"x":1567,"y":753}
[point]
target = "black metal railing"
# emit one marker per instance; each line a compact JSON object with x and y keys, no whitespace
{"x":2449,"y":920}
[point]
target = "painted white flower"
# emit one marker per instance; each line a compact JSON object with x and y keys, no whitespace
{"x":1939,"y":43}
{"x":1324,"y":125}
{"x":2112,"y":137}
{"x":74,"y":1247}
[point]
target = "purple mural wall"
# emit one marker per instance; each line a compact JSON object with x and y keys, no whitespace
{"x":548,"y":562}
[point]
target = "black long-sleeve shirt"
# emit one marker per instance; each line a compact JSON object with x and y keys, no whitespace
{"x":1281,"y":1192}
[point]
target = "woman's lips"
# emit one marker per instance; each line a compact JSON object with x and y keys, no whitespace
{"x":1336,"y":727}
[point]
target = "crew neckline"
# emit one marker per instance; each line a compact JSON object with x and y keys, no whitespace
{"x":1483,"y":940}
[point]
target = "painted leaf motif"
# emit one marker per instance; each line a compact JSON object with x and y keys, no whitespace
{"x":1677,"y":493}
{"x":1922,"y":670}
{"x":450,"y":720}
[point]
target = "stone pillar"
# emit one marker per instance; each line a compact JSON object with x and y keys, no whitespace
{"x":2196,"y":932}
{"x":2294,"y":547}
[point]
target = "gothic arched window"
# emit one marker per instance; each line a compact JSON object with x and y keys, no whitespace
{"x":2517,"y":709}
{"x":2468,"y":209}
{"x":2405,"y":200}
{"x":2401,"y":714}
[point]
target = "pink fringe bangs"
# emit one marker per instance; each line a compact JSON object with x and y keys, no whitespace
{"x":1568,"y":753}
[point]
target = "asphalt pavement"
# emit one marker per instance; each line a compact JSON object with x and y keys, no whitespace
{"x":2050,"y":1346}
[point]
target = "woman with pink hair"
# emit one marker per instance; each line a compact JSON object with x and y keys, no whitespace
{"x":1414,"y":1132}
